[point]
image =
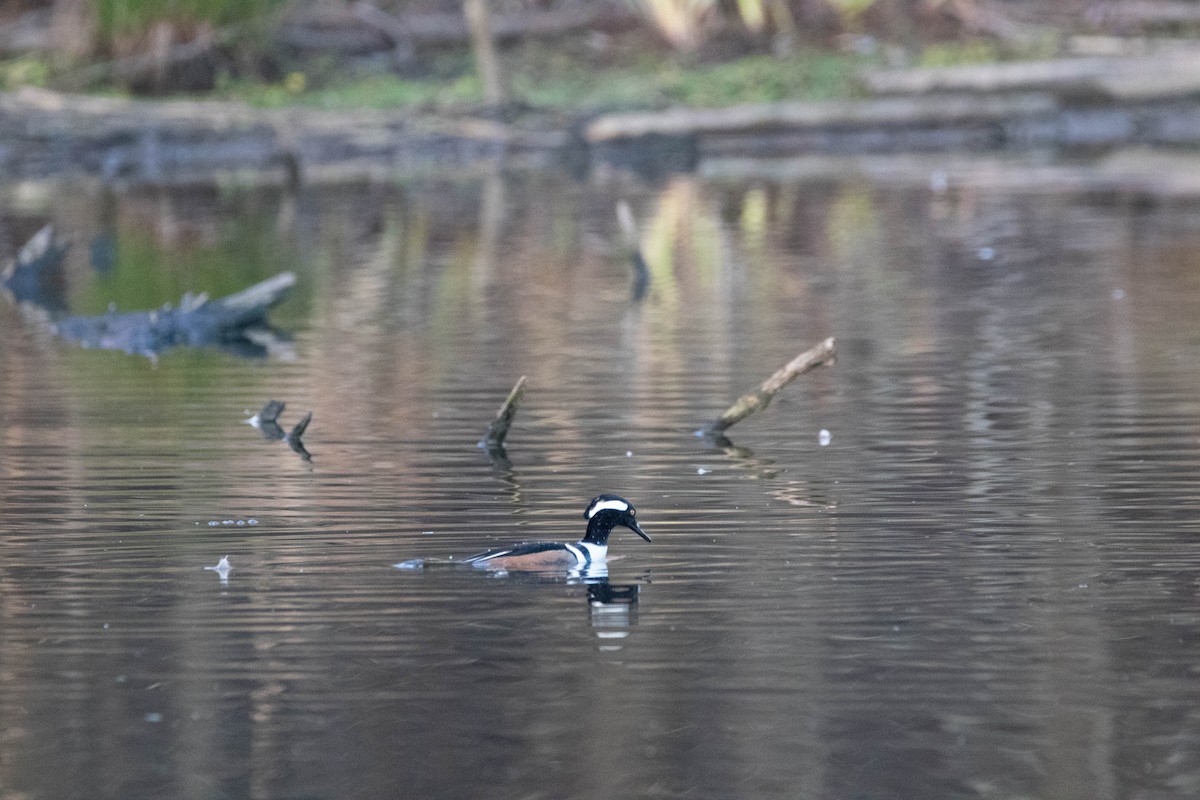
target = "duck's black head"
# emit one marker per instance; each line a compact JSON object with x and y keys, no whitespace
{"x":605,"y":513}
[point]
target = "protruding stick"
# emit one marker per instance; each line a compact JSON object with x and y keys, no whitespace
{"x":504,"y":417}
{"x":747,"y":404}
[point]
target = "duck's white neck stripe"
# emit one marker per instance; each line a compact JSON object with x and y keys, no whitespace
{"x":596,"y":551}
{"x":615,"y":505}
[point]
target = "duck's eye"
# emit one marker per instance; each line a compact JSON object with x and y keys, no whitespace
{"x":633,"y":512}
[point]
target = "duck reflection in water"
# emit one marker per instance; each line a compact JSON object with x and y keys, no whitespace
{"x":613,"y":610}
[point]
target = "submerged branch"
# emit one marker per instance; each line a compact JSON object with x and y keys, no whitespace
{"x":633,"y":248}
{"x":747,"y":404}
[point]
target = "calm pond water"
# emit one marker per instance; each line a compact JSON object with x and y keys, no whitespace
{"x":985,"y":585}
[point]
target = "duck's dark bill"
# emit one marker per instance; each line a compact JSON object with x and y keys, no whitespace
{"x":633,"y":526}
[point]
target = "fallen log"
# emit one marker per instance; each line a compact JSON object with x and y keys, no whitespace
{"x":747,"y":404}
{"x":325,"y":27}
{"x":237,"y":323}
{"x":886,"y":112}
{"x":1173,"y":73}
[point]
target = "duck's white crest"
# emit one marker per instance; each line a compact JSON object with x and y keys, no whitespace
{"x":615,"y":505}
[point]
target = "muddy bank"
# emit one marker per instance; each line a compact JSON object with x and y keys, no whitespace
{"x":1084,"y":103}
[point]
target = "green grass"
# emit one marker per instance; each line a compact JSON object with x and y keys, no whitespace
{"x":132,"y":17}
{"x":559,"y":82}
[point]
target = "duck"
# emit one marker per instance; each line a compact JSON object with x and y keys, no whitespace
{"x":603,"y":513}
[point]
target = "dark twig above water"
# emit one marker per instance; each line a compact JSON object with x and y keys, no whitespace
{"x":498,"y":430}
{"x":747,"y":404}
{"x":267,"y":423}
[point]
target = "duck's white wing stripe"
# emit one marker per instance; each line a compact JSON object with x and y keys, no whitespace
{"x":486,"y":557}
{"x":615,"y":505}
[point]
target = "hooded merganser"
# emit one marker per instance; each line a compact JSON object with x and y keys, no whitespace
{"x":603,"y":514}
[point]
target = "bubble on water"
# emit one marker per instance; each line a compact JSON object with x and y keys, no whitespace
{"x":986,"y":253}
{"x":629,"y":454}
{"x":241,"y":522}
{"x":154,"y":716}
{"x":703,"y":471}
{"x":251,"y":522}
{"x":1118,"y":294}
{"x":824,"y":437}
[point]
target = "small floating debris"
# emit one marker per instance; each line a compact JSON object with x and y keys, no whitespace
{"x":939,"y":181}
{"x":411,"y":564}
{"x":216,"y":523}
{"x":222,"y":568}
{"x":702,"y":471}
{"x":1118,"y":294}
{"x":986,"y":253}
{"x":824,"y":437}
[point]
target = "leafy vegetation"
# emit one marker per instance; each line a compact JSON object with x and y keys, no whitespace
{"x":559,"y":82}
{"x":116,"y":18}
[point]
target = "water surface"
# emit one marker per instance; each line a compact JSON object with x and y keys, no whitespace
{"x":983,"y":586}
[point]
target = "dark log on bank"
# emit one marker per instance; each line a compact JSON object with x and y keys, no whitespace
{"x":1170,"y":74}
{"x":154,"y":70}
{"x":747,"y":404}
{"x":1125,"y":15}
{"x":358,"y":28}
{"x":919,"y":110}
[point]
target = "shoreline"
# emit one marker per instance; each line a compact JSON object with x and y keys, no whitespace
{"x":1067,"y":104}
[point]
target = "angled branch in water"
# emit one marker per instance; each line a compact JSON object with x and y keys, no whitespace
{"x":747,"y":404}
{"x":641,"y":273}
{"x":494,"y":440}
